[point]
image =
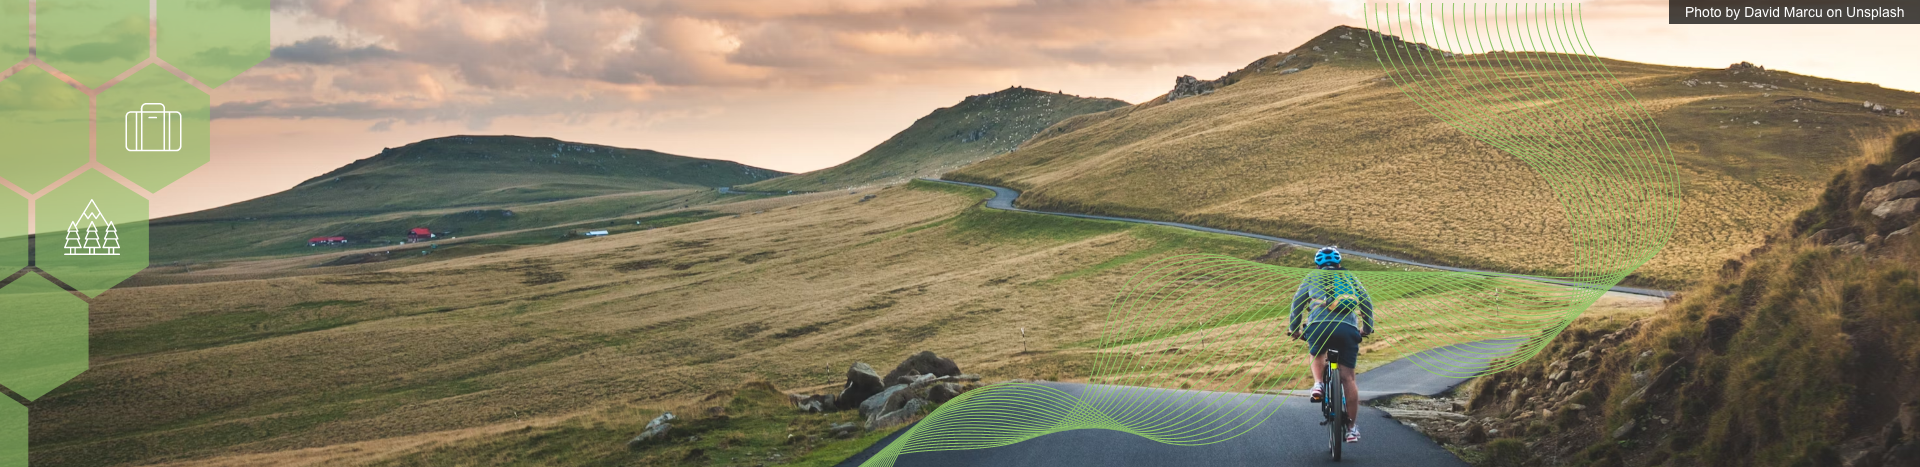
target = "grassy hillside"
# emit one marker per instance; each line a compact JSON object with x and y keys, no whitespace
{"x":461,"y":184}
{"x":1801,"y":353}
{"x":552,"y":354}
{"x":1317,"y":144}
{"x":979,"y":127}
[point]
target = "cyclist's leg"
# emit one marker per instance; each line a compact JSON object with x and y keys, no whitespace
{"x":1353,"y":395}
{"x":1317,"y":342}
{"x":1346,"y":339}
{"x":1319,"y":368}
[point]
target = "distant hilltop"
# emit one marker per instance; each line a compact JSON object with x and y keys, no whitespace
{"x":979,"y":127}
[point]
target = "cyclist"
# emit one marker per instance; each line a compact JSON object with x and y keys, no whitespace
{"x":1338,"y":315}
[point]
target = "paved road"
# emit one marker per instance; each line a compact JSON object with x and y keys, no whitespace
{"x":1003,"y":199}
{"x":1424,"y":373}
{"x":1292,"y":437}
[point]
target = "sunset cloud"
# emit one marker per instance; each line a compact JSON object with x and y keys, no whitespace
{"x":440,"y":59}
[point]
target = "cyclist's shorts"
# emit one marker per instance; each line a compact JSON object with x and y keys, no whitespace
{"x":1334,"y":335}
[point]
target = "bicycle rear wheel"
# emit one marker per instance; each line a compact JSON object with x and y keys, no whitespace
{"x":1336,"y":400}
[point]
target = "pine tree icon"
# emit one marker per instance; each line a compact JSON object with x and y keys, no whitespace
{"x":112,"y":242}
{"x":92,"y":244}
{"x":73,"y":238}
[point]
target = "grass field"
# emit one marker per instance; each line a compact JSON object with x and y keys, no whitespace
{"x":979,"y":127}
{"x":553,"y":353}
{"x":1336,"y":154}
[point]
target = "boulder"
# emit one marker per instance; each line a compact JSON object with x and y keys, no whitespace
{"x":1889,"y":192}
{"x":875,"y":405}
{"x":1910,"y":170}
{"x":656,"y":429}
{"x":1897,"y":209}
{"x":816,"y":403}
{"x":1624,"y":430}
{"x":862,"y":382}
{"x":922,"y":363}
{"x":943,"y":392}
{"x":843,"y":430}
{"x":902,"y":415}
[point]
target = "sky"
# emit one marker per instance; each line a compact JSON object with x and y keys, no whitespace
{"x":798,"y":85}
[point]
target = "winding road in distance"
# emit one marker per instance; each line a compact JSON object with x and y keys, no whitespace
{"x":1003,"y":199}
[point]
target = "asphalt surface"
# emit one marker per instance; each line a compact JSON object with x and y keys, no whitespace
{"x":1291,"y":436}
{"x":1003,"y":199}
{"x":1422,"y":373}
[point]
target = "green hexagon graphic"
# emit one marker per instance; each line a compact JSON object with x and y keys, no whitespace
{"x":13,"y":232}
{"x":213,"y":41}
{"x":13,"y":434}
{"x":92,"y":40}
{"x":13,"y":32}
{"x":44,"y":342}
{"x":43,"y":121}
{"x":152,"y":128}
{"x":91,"y":233}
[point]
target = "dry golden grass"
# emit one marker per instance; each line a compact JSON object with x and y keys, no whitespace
{"x":358,"y":364}
{"x":1338,"y":154}
{"x":237,"y":370}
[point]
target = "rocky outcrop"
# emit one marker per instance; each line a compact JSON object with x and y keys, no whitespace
{"x":1188,"y":86}
{"x":923,"y":363}
{"x":1898,"y":210}
{"x":1889,"y":192}
{"x":1912,"y":169}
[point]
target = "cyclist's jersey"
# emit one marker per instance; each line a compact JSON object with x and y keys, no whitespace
{"x":1331,"y":295}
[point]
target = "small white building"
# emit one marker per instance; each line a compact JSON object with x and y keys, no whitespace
{"x":597,"y":233}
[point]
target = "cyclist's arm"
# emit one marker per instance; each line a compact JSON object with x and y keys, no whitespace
{"x":1366,"y":308}
{"x":1295,"y":312}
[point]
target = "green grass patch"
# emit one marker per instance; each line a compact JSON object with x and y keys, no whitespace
{"x":974,"y":192}
{"x":220,"y":329}
{"x":994,"y":226}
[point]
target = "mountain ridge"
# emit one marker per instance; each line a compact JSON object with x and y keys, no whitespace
{"x":978,"y":127}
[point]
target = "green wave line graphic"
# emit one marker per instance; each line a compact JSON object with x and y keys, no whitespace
{"x":1192,"y":346}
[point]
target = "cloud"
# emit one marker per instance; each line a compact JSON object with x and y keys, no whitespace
{"x":328,"y":51}
{"x":448,"y":59}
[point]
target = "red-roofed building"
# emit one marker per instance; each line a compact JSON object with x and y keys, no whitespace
{"x":420,"y":234}
{"x":317,"y":241}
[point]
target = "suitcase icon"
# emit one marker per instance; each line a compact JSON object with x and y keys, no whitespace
{"x":156,"y":130}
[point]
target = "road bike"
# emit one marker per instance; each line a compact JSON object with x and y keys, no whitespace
{"x":1333,"y":404}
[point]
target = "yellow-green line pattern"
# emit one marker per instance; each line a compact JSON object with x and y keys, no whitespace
{"x":1192,"y":341}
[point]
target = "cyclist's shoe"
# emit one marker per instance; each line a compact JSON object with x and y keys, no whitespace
{"x":1317,"y":395}
{"x":1353,"y":435}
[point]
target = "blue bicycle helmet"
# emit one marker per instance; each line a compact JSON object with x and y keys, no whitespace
{"x":1328,"y":256}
